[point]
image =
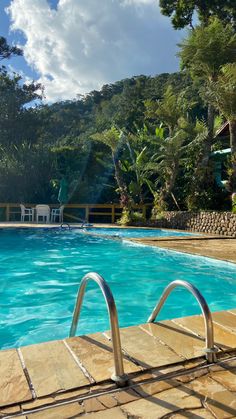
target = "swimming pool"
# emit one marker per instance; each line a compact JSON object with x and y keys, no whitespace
{"x":41,"y":270}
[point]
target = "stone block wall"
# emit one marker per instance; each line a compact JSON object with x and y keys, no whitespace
{"x":222,"y":223}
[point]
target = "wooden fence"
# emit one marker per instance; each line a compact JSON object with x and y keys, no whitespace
{"x":96,"y":213}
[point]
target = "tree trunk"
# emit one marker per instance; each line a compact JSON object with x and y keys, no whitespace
{"x":124,"y":196}
{"x":201,"y":172}
{"x":208,"y":142}
{"x":232,"y":131}
{"x":169,"y":186}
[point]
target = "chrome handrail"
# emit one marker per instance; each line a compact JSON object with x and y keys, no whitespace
{"x":210,"y":348}
{"x":64,"y":225}
{"x":119,"y":377}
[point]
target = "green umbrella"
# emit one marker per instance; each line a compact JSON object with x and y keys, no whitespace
{"x":63,"y":192}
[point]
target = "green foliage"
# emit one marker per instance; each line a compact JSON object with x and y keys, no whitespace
{"x":234,"y":203}
{"x":222,"y":93}
{"x":110,"y":137}
{"x":125,"y":218}
{"x":131,"y":217}
{"x":6,"y":51}
{"x":207,"y":48}
{"x":182,"y":12}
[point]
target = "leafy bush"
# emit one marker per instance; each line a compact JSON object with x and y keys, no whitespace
{"x":125,"y":217}
{"x":128,"y":217}
{"x":234,"y":203}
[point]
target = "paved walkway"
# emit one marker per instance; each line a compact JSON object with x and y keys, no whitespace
{"x":168,"y":374}
{"x":223,"y":248}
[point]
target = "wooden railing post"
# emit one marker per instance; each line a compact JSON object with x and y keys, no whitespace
{"x":87,"y":213}
{"x":113,"y":214}
{"x":7,"y":212}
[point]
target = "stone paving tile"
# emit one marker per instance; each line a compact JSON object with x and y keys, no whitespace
{"x":108,"y":401}
{"x":226,"y":378}
{"x":93,"y":405}
{"x":102,"y":387}
{"x":148,"y":389}
{"x":115,"y":413}
{"x":146,"y":350}
{"x":230,"y":364}
{"x":182,"y":342}
{"x":126,"y":396}
{"x":161,"y":404}
{"x":223,"y":338}
{"x":67,"y":411}
{"x":96,"y":354}
{"x":52,"y":368}
{"x":225,"y":319}
{"x":72,"y":394}
{"x":144,"y":376}
{"x":195,"y":363}
{"x":220,"y":401}
{"x":193,"y":414}
{"x":186,"y":378}
{"x":9,"y":410}
{"x":14,"y":387}
{"x":37,"y":403}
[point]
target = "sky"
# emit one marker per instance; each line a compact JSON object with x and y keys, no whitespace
{"x":75,"y":46}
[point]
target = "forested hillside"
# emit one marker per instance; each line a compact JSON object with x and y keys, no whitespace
{"x":143,"y":139}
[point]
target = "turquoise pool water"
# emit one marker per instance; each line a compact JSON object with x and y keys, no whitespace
{"x":41,"y":271}
{"x":138,"y":232}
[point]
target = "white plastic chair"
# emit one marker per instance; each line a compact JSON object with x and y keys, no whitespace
{"x":57,"y":213}
{"x":26,"y":213}
{"x":42,"y":211}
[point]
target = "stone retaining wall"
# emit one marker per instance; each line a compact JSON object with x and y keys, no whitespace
{"x":223,"y":223}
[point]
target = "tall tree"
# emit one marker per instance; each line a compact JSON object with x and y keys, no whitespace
{"x":6,"y":51}
{"x":202,"y":54}
{"x":222,"y":94}
{"x":182,"y":12}
{"x":112,"y":138}
{"x":14,"y":95}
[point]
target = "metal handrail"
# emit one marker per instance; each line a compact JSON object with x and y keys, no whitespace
{"x":119,"y":377}
{"x":210,"y":348}
{"x":65,"y":225}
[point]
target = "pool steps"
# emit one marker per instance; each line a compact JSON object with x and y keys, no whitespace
{"x":119,"y":376}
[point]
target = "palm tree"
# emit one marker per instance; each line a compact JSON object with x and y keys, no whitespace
{"x":168,"y":163}
{"x":112,"y":139}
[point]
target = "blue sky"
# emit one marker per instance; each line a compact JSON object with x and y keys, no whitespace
{"x":73,"y":46}
{"x":18,"y":63}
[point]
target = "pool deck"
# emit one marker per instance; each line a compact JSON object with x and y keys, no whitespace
{"x":168,"y":374}
{"x":222,"y":248}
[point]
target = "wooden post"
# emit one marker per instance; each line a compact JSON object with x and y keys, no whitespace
{"x":113,"y":214}
{"x":7,"y":212}
{"x":87,"y":213}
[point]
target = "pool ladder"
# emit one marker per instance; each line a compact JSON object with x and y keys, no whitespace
{"x":119,"y":377}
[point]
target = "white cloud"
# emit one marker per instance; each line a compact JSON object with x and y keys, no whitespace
{"x":84,"y":44}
